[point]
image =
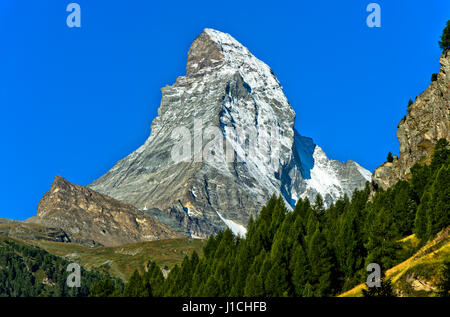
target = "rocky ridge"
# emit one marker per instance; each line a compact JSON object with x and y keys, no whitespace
{"x":427,"y":121}
{"x":93,"y":219}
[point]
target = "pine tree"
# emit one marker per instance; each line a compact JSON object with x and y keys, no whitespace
{"x":421,"y":175}
{"x":199,"y":279}
{"x":276,"y":281}
{"x":385,"y":290}
{"x":382,"y":246}
{"x":103,"y":288}
{"x":299,"y":268}
{"x":444,"y":285}
{"x":137,"y":287}
{"x":441,"y":154}
{"x":403,"y":207}
{"x":349,"y":243}
{"x":444,"y":43}
{"x":438,"y":211}
{"x":156,"y":279}
{"x":240,"y":269}
{"x":186,"y":275}
{"x":319,"y":205}
{"x":170,"y":285}
{"x":434,"y":77}
{"x":420,"y":223}
{"x":390,"y":157}
{"x":321,"y":261}
{"x":211,"y":287}
{"x":254,"y":286}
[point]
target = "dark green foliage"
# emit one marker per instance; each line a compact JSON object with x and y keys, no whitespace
{"x":313,"y":251}
{"x":322,"y":268}
{"x":444,"y":43}
{"x":138,"y":286}
{"x":434,"y":77}
{"x":155,"y":277}
{"x":432,"y":184}
{"x":421,"y":175}
{"x":385,"y":290}
{"x":299,"y":267}
{"x":254,"y":286}
{"x":439,"y":206}
{"x":421,"y":222}
{"x":441,"y":154}
{"x":106,"y":288}
{"x":390,"y":157}
{"x":26,"y":271}
{"x":444,"y":285}
{"x":382,"y":245}
{"x":403,"y":207}
{"x":410,"y":102}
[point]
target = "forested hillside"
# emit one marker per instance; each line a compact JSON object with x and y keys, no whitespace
{"x":27,"y":271}
{"x":312,"y":251}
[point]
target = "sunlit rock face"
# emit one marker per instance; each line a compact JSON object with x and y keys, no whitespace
{"x":427,"y":120}
{"x":226,"y":89}
{"x":90,"y":218}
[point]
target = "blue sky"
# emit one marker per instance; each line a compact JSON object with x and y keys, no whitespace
{"x":75,"y":101}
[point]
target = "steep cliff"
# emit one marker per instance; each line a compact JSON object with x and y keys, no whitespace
{"x":427,"y":121}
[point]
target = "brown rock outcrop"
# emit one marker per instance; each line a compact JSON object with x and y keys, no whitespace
{"x":427,"y":121}
{"x":88,"y":216}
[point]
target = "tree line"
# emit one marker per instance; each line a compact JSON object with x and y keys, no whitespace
{"x":310,"y":251}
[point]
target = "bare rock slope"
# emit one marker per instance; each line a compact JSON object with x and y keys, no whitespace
{"x":427,"y":121}
{"x":94,"y":219}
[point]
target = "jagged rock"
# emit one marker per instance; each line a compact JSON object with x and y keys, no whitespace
{"x":94,"y":219}
{"x":427,"y":121}
{"x":229,"y":89}
{"x":420,"y":284}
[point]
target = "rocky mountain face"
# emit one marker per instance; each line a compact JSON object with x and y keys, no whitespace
{"x":427,"y":121}
{"x":235,"y":128}
{"x":93,"y":219}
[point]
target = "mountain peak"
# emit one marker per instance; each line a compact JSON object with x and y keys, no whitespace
{"x":59,"y":181}
{"x":213,"y":50}
{"x":229,"y":92}
{"x":204,"y":53}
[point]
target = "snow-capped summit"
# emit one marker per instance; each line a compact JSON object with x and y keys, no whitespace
{"x":329,"y":178}
{"x":239,"y":147}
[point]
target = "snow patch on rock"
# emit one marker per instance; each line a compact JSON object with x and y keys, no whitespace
{"x":237,"y":229}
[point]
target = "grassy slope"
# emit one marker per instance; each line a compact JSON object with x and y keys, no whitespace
{"x":121,"y":261}
{"x":418,"y":275}
{"x":25,"y":231}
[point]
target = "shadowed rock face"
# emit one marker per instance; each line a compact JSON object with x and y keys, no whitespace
{"x":228,"y":88}
{"x":95,"y":219}
{"x":427,"y":121}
